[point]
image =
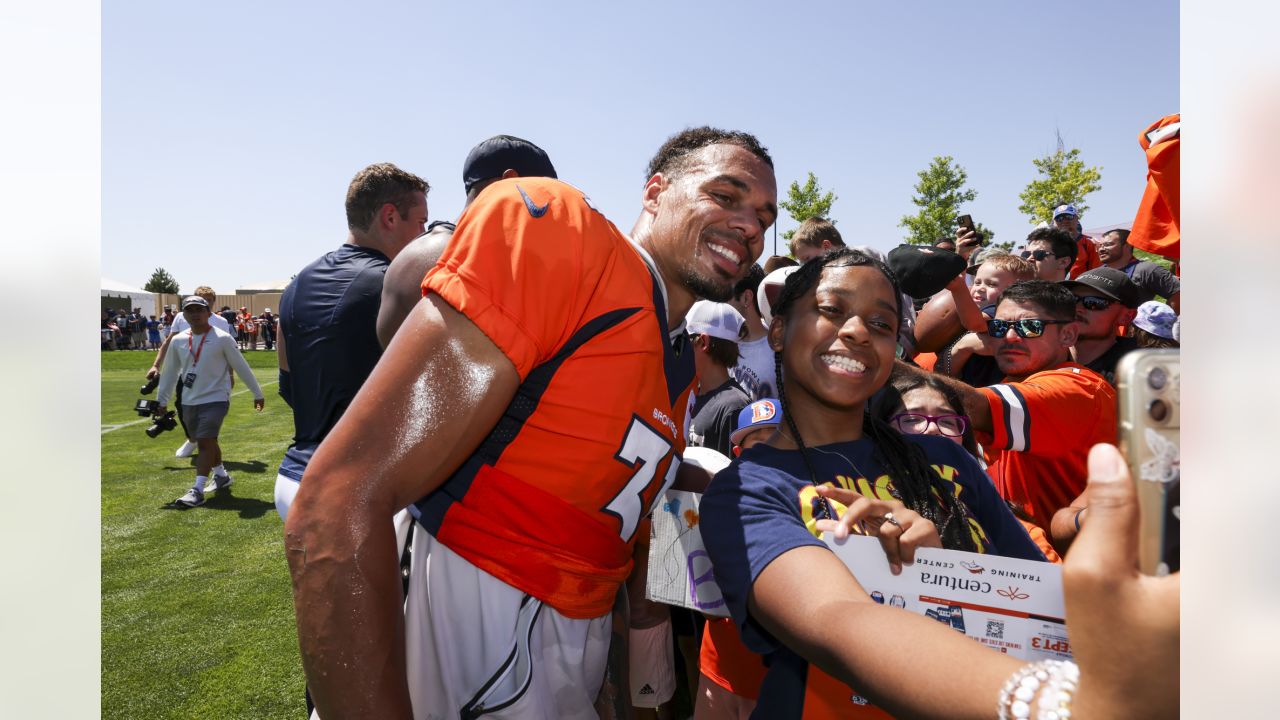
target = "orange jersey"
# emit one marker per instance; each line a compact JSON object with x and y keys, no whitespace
{"x":1087,"y":257}
{"x":550,"y":502}
{"x":1043,"y":428}
{"x":1155,"y":228}
{"x":727,"y":661}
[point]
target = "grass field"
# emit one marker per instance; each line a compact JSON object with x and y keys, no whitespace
{"x":197,"y":615}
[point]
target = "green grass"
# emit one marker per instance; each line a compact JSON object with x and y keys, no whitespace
{"x":197,"y":614}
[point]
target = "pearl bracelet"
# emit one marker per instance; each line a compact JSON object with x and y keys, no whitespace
{"x":1053,"y":680}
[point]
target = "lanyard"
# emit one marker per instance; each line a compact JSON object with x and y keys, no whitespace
{"x":195,"y":354}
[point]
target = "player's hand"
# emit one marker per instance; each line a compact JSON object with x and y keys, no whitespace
{"x":1124,"y":625}
{"x":966,"y":242}
{"x":153,"y":372}
{"x":899,"y":529}
{"x":259,"y":403}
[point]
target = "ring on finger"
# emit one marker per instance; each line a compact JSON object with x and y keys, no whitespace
{"x":889,"y":518}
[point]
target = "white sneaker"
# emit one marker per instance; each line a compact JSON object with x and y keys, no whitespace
{"x":218,"y":482}
{"x":193,"y":498}
{"x":187,"y":450}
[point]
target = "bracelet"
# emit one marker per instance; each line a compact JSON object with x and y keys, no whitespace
{"x":1054,"y":681}
{"x":1077,"y":518}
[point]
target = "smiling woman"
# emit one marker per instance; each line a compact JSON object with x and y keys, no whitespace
{"x":834,"y":333}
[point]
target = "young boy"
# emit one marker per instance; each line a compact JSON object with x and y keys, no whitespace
{"x":199,"y":358}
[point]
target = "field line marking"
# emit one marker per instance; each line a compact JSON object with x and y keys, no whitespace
{"x":109,"y":428}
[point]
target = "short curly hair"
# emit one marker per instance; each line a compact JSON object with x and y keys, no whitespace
{"x":377,"y":185}
{"x":674,"y":154}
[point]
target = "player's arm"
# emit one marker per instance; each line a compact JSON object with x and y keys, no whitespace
{"x":402,"y":286}
{"x":937,"y":323}
{"x":282,"y":361}
{"x":438,"y":390}
{"x":880,"y":651}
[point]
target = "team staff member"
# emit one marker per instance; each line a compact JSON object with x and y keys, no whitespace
{"x":202,"y":367}
{"x":531,"y":405}
{"x":179,"y":324}
{"x":328,"y":342}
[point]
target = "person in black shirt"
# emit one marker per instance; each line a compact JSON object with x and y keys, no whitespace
{"x":1106,"y":299}
{"x":714,"y":328}
{"x":327,"y":341}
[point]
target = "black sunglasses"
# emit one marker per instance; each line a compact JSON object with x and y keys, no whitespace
{"x":1025,"y":328}
{"x":1094,"y":302}
{"x":1037,"y":254}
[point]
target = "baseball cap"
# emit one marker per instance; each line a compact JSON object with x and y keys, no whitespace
{"x":979,"y":257}
{"x":763,"y":413}
{"x":769,"y":290}
{"x":1067,"y":209}
{"x":719,"y":320}
{"x":1110,"y":282}
{"x":500,"y":153}
{"x":1156,"y":318}
{"x":922,"y":271}
{"x":194,"y":300}
{"x":266,"y":309}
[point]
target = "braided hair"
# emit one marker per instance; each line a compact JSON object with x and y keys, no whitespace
{"x":915,"y":482}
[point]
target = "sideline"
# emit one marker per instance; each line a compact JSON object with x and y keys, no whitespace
{"x":110,"y":428}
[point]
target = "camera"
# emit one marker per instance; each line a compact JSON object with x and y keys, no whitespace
{"x":164,"y":423}
{"x":150,"y":386}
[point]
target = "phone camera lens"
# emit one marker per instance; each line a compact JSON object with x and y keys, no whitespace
{"x":1157,"y":378}
{"x":1158,"y":410}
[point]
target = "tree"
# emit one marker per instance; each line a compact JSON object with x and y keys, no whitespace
{"x":1065,"y":179}
{"x":162,"y":282}
{"x":939,"y":194}
{"x":807,"y":201}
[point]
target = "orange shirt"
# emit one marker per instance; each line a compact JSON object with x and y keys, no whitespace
{"x":1087,"y":257}
{"x":1043,"y":428}
{"x":1155,"y":228}
{"x":727,"y":661}
{"x":550,"y":502}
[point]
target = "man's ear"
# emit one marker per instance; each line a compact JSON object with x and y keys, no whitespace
{"x":652,"y":191}
{"x":1070,"y":333}
{"x":388,"y":215}
{"x":1126,"y":317}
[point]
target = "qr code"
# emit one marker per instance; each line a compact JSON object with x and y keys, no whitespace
{"x":995,"y":629}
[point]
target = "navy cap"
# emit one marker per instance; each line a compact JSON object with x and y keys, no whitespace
{"x":500,"y":153}
{"x":1067,"y":209}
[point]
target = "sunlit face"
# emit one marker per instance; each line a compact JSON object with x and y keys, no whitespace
{"x":1098,"y":324}
{"x":925,"y":400}
{"x":197,"y":316}
{"x":989,"y":283}
{"x":413,"y":223}
{"x":1019,"y":357}
{"x":1110,"y":249}
{"x":1050,"y":267}
{"x":838,"y":340}
{"x":710,"y":217}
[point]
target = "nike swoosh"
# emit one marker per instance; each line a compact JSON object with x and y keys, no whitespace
{"x":534,"y":210}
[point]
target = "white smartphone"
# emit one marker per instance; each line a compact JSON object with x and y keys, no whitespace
{"x":1148,"y":383}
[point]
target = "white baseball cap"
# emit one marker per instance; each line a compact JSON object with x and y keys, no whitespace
{"x":719,"y":320}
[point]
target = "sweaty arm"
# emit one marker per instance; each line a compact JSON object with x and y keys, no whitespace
{"x":402,"y":285}
{"x":880,"y":651}
{"x":439,"y":389}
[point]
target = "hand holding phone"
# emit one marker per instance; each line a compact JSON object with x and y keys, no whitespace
{"x":965,"y":223}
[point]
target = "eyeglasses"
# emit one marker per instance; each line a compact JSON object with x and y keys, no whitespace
{"x":1025,"y":328}
{"x":1094,"y":302}
{"x":916,"y":424}
{"x":1036,"y":254}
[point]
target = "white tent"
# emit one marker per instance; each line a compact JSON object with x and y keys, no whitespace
{"x":138,"y":298}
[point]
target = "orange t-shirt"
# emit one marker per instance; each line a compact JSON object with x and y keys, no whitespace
{"x":1043,"y":428}
{"x":1155,"y":228}
{"x":550,"y":502}
{"x":727,"y":661}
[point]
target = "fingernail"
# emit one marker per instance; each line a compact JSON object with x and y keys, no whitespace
{"x":1106,"y":464}
{"x":895,"y":568}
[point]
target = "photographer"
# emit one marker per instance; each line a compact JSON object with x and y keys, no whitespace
{"x":202,"y":368}
{"x":177,"y":325}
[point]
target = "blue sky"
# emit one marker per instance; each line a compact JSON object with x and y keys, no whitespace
{"x":230,"y":130}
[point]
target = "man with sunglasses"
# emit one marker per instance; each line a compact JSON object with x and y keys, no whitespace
{"x":1106,"y":300}
{"x":1038,"y":425}
{"x":1067,"y":218}
{"x":1052,"y":251}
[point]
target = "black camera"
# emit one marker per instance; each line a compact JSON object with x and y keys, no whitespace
{"x":150,"y":386}
{"x":163,"y":423}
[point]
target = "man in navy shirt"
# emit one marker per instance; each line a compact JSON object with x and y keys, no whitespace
{"x":328,"y":342}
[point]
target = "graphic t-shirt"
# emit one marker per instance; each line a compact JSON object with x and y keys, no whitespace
{"x":1043,"y":428}
{"x":764,"y":505}
{"x":587,"y":443}
{"x":756,"y":369}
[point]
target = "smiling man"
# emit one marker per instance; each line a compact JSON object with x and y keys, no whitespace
{"x":1038,"y":425}
{"x":528,"y":410}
